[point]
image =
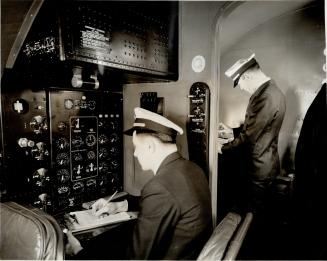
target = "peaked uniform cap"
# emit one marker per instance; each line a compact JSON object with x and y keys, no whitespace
{"x":147,"y":121}
{"x":239,"y":67}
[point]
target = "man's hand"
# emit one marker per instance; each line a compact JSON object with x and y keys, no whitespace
{"x":102,"y":207}
{"x":73,"y":246}
{"x":225,"y":132}
{"x":219,"y":147}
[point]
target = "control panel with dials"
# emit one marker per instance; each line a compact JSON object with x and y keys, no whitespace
{"x":61,"y":148}
{"x":198,"y":124}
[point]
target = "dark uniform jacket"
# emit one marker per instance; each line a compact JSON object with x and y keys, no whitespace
{"x":259,"y":134}
{"x":175,"y":213}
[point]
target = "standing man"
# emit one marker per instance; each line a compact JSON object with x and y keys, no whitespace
{"x":258,"y":137}
{"x":174,"y":219}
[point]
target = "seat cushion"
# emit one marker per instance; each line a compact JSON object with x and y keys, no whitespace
{"x":28,"y":234}
{"x":216,"y":246}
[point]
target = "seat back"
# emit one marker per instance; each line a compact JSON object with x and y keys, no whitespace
{"x":227,"y":238}
{"x":29,"y":233}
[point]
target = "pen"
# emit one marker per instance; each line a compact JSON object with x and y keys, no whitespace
{"x":112,"y":196}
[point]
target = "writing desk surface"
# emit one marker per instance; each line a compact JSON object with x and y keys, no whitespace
{"x":87,"y":234}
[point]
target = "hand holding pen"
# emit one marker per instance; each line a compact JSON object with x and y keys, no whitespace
{"x":103,"y":206}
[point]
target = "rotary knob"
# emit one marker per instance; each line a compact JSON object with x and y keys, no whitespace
{"x":39,"y":124}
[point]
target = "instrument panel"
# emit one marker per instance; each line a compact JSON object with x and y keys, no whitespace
{"x":61,"y":148}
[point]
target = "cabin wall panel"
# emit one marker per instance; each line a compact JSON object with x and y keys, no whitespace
{"x":196,"y":30}
{"x":12,"y":16}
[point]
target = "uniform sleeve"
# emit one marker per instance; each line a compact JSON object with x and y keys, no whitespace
{"x":259,"y":114}
{"x":158,"y":215}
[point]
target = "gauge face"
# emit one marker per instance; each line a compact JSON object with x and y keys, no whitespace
{"x":78,"y":171}
{"x":103,"y":167}
{"x":103,"y":139}
{"x":91,"y":105}
{"x":63,"y":175}
{"x":77,"y":142}
{"x":91,"y":155}
{"x":77,"y":156}
{"x":91,"y":183}
{"x":114,"y":164}
{"x":78,"y":187}
{"x":103,"y":153}
{"x":91,"y":168}
{"x":63,"y":190}
{"x":113,"y":125}
{"x":90,"y":140}
{"x":114,"y":151}
{"x":62,"y":159}
{"x":62,"y":143}
{"x":114,"y":138}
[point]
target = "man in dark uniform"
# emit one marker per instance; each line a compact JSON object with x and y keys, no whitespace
{"x":174,"y":221}
{"x":256,"y":147}
{"x":258,"y":137}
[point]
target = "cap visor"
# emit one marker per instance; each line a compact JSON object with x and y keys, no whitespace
{"x":236,"y":82}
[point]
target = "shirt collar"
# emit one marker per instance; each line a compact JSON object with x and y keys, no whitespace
{"x":170,"y":158}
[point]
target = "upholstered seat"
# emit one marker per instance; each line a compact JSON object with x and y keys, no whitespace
{"x":29,"y":233}
{"x":227,"y":238}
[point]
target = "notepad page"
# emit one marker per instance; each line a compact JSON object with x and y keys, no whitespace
{"x":86,"y":220}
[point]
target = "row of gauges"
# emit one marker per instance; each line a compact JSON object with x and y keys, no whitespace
{"x":90,"y":140}
{"x":62,"y":159}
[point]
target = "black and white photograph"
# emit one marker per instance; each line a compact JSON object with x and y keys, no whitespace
{"x":163,"y":130}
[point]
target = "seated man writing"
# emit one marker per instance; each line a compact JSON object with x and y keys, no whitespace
{"x":174,"y":219}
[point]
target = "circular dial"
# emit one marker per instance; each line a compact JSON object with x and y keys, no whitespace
{"x":77,"y":142}
{"x":90,"y":140}
{"x":114,"y":164}
{"x":113,"y":125}
{"x":92,"y":105}
{"x":62,"y":143}
{"x":103,"y":153}
{"x":78,"y":187}
{"x":78,"y":171}
{"x":114,"y":151}
{"x":91,"y":184}
{"x":77,"y":156}
{"x":63,"y":190}
{"x":103,"y":167}
{"x":63,"y":175}
{"x":103,"y":139}
{"x":62,"y":159}
{"x":114,"y":138}
{"x":91,"y":155}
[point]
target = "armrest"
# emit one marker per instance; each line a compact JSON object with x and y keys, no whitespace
{"x":237,"y":241}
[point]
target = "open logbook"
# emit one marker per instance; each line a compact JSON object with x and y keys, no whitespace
{"x":83,"y":220}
